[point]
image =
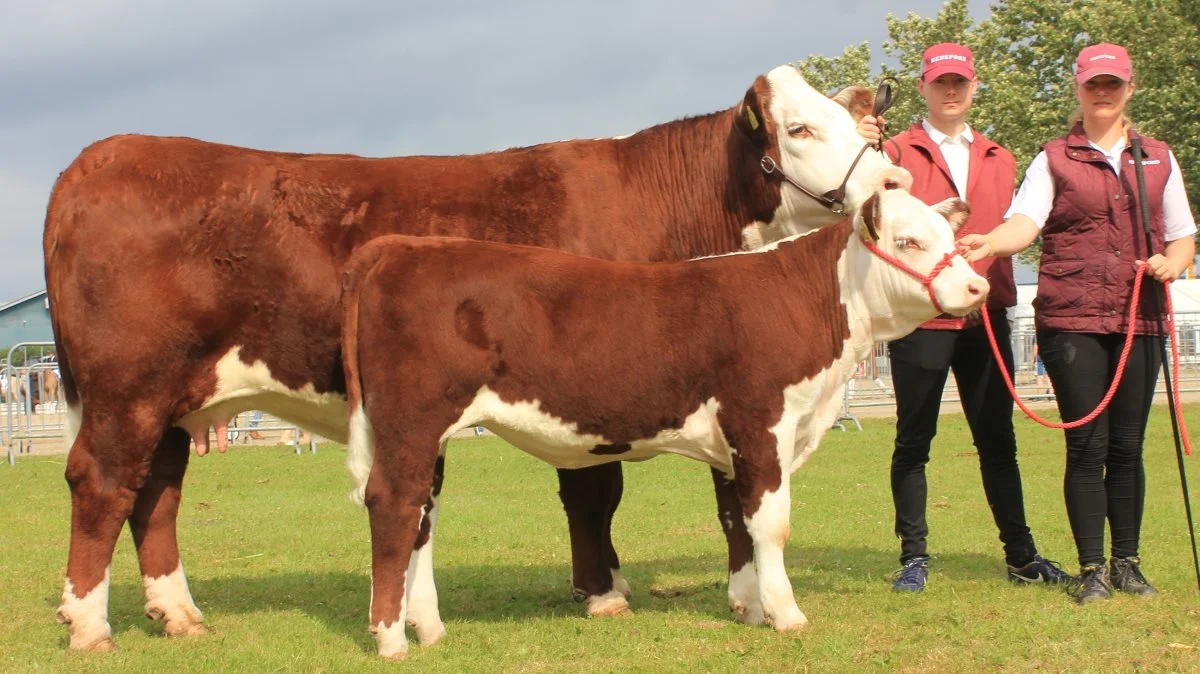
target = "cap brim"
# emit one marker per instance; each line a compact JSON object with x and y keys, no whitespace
{"x":950,"y":68}
{"x":1123,"y":75}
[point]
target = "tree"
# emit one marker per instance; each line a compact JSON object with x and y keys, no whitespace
{"x":1024,"y":56}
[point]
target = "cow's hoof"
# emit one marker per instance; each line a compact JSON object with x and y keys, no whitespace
{"x":749,"y":614}
{"x":184,"y":628}
{"x":101,"y":646}
{"x":794,"y":621}
{"x":621,"y":585}
{"x":610,"y":605}
{"x":391,"y":641}
{"x":428,"y":633}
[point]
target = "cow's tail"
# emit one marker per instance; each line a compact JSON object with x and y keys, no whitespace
{"x":361,"y":442}
{"x":56,"y":269}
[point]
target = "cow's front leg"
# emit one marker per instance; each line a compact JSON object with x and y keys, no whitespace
{"x":423,"y":614}
{"x":766,"y":504}
{"x":743,"y":578}
{"x":395,"y":498}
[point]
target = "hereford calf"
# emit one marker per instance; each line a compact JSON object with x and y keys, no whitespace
{"x":738,"y":361}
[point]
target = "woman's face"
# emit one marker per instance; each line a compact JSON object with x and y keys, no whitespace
{"x":1104,"y":97}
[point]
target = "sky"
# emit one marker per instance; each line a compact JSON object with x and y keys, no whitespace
{"x":377,"y":78}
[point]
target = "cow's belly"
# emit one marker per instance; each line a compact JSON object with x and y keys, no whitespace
{"x":242,"y":387}
{"x":557,"y":442}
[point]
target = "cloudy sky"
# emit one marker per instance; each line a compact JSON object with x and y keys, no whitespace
{"x":376,"y":78}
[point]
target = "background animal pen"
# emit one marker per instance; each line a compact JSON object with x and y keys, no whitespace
{"x":35,"y":422}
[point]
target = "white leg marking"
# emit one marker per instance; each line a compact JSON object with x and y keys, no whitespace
{"x":169,"y":599}
{"x":744,"y":596}
{"x":360,"y":454}
{"x":71,"y":427}
{"x":620,"y":584}
{"x":769,"y":529}
{"x":390,"y":638}
{"x":87,"y":616}
{"x":611,"y":603}
{"x":421,"y":592}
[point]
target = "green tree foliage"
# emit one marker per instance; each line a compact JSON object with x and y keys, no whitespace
{"x":1024,"y":55}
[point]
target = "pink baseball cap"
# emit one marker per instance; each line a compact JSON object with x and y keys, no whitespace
{"x":1103,"y":59}
{"x":947,"y":57}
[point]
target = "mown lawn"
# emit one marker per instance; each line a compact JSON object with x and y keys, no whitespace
{"x":278,"y":559}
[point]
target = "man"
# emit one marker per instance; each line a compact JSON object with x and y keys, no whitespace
{"x":947,"y":158}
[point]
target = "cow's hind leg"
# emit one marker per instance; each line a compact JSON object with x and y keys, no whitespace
{"x":743,"y":578}
{"x":105,"y":468}
{"x":152,"y":524}
{"x":588,"y":497}
{"x":398,"y":488}
{"x":423,"y":613}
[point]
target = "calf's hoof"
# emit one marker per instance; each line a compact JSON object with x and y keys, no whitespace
{"x":86,"y":636}
{"x":391,"y":641}
{"x":428,"y":633}
{"x":609,"y":604}
{"x":791,"y":621}
{"x":749,"y":614}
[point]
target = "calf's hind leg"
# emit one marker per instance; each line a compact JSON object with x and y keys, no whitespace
{"x":590,"y":497}
{"x":153,"y":525}
{"x":399,"y":485}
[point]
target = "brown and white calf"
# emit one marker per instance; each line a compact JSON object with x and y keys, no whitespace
{"x":738,"y":361}
{"x":190,"y":281}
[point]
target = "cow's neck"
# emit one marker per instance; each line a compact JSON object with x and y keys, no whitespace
{"x":716,"y":195}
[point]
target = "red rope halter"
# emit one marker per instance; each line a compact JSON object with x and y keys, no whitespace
{"x":1112,"y":389}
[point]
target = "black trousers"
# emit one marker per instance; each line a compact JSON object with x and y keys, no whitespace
{"x":1105,"y":476}
{"x":920,"y":365}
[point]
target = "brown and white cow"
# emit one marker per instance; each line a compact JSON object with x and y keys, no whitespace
{"x":189,"y":281}
{"x":738,"y":361}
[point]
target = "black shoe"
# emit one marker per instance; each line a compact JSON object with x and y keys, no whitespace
{"x":1040,"y":570}
{"x":1127,"y":576}
{"x":1093,"y":584}
{"x":912,"y":576}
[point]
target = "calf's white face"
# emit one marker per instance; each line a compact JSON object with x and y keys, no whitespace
{"x":921,"y":238}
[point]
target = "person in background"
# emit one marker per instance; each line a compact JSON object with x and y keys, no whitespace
{"x":948,"y":158}
{"x":1081,"y":194}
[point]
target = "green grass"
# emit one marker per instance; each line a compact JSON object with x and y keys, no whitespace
{"x":278,"y":558}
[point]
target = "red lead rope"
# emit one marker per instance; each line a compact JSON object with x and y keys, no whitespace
{"x":1133,"y":304}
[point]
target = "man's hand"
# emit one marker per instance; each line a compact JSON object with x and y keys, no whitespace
{"x":871,"y":128}
{"x":1160,"y":268}
{"x":975,"y":247}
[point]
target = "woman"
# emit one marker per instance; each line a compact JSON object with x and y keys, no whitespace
{"x":1080,"y":193}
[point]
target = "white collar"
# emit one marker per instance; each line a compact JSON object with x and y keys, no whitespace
{"x":938,"y":137}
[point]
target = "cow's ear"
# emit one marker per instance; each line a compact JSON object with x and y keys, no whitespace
{"x":858,"y":100}
{"x":871,"y":217}
{"x":751,"y":121}
{"x":955,"y":210}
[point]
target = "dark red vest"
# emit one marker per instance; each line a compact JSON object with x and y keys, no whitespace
{"x":991,"y":174}
{"x":1094,"y":235}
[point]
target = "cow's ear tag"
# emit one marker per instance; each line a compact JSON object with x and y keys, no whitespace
{"x":752,"y":119}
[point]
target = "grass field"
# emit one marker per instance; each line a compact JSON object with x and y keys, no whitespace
{"x":278,"y":559}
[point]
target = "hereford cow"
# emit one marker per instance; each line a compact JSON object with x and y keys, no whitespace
{"x":738,"y":361}
{"x":190,"y":281}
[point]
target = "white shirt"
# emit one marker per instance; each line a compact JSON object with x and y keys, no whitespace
{"x":956,"y":151}
{"x":1035,"y":198}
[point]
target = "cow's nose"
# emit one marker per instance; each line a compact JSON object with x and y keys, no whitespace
{"x":977,"y":289}
{"x":896,"y":178}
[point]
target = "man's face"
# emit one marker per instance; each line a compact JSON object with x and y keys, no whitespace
{"x":948,"y":96}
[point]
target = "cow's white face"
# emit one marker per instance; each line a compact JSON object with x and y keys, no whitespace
{"x":920,"y":237}
{"x":818,"y":141}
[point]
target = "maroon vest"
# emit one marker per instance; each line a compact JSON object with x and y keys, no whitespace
{"x":1094,"y":235}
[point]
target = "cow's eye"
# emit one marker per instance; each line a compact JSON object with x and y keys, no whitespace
{"x":907,"y":244}
{"x":799,"y":130}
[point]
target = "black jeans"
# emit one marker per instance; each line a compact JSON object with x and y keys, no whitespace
{"x":1105,"y":476}
{"x":920,"y":365}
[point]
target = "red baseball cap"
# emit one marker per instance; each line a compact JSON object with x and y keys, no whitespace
{"x":947,"y":57}
{"x":1103,"y":59}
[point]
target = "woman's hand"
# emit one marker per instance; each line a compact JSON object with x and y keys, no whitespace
{"x":1160,"y":268}
{"x":976,"y":247}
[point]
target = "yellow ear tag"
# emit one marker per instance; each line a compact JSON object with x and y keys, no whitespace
{"x":752,"y":119}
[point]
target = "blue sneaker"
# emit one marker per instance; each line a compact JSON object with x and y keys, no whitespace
{"x":1040,"y":571}
{"x":912,"y":576}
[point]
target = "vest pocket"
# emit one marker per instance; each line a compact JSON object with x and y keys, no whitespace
{"x":1062,"y":286}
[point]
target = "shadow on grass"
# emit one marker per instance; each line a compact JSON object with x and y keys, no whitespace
{"x":339,"y":600}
